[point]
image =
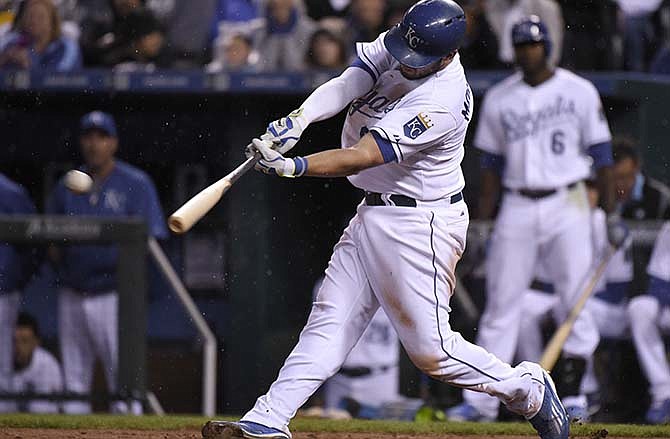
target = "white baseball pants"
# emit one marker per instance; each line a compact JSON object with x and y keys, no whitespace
{"x":9,"y":309}
{"x":87,"y":328}
{"x":558,"y":227}
{"x":647,"y":320}
{"x":402,"y":259}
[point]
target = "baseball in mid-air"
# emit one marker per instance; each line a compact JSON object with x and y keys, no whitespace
{"x":78,"y":182}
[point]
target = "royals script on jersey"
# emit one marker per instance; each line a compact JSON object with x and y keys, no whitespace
{"x":543,"y":132}
{"x":422,"y":123}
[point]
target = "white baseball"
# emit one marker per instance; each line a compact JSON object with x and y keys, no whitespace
{"x":78,"y":182}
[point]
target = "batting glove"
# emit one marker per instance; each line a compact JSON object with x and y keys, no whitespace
{"x":285,"y":132}
{"x":273,"y":162}
{"x":617,"y":231}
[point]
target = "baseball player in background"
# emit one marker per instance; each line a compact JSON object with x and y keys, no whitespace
{"x":607,"y":305}
{"x":36,"y":369}
{"x":649,"y":314}
{"x":14,"y":272}
{"x":540,"y":130}
{"x":88,"y":300}
{"x":409,"y":106}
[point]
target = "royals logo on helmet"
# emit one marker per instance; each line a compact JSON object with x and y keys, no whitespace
{"x":417,"y":126}
{"x":413,"y":40}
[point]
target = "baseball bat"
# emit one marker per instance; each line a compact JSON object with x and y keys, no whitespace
{"x":553,"y":349}
{"x":183,"y":219}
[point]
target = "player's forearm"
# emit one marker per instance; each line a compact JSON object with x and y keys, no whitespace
{"x":339,"y":162}
{"x":488,"y":194}
{"x":606,"y":189}
{"x":333,"y":96}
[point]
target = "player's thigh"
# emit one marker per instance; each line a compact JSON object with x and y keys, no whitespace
{"x":611,"y":319}
{"x":512,"y":255}
{"x":410,"y":257}
{"x":569,"y":256}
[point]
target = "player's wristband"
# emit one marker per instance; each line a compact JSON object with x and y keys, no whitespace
{"x":300,"y":166}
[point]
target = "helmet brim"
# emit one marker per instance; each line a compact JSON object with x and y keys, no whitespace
{"x":398,"y":48}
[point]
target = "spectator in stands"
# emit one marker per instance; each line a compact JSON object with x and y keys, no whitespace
{"x":480,"y":48}
{"x":326,"y":51}
{"x":638,"y":30}
{"x":147,"y":48}
{"x":232,"y":17}
{"x":88,"y":299}
{"x":367,"y":21}
{"x":14,"y":272}
{"x":503,"y":14}
{"x":36,"y":370}
{"x":284,"y":41}
{"x":640,"y":196}
{"x":108,"y":42}
{"x":236,"y":54}
{"x":188,"y":32}
{"x":36,"y":42}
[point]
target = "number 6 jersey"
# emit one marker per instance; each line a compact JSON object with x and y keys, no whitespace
{"x":543,"y":132}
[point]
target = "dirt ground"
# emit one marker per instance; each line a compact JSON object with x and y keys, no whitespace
{"x":32,"y":433}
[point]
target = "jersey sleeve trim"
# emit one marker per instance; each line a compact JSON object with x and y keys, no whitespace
{"x":358,"y":62}
{"x":399,"y":156}
{"x":601,"y":154}
{"x":660,"y":289}
{"x":385,"y":147}
{"x":494,"y":162}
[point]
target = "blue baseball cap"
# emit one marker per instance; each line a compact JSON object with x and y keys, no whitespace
{"x":99,"y":120}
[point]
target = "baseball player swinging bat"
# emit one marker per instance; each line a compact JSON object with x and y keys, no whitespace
{"x":183,"y":219}
{"x":553,"y":349}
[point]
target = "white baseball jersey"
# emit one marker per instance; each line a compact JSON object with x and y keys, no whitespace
{"x":378,"y":347}
{"x":424,"y":121}
{"x":43,"y":375}
{"x":543,"y":132}
{"x":659,"y":264}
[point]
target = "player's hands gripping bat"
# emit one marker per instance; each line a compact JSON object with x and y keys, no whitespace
{"x":195,"y":208}
{"x":273,"y":162}
{"x":284,"y":133}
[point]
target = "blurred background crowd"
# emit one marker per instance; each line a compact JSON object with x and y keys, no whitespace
{"x":295,"y":35}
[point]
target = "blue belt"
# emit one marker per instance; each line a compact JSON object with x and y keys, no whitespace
{"x":376,"y":199}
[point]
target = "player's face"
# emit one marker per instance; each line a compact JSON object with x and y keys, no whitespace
{"x":25,"y":343}
{"x":625,"y":173}
{"x":413,"y":73}
{"x":98,"y":148}
{"x":530,"y":57}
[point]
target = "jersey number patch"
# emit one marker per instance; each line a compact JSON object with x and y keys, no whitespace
{"x":557,"y":145}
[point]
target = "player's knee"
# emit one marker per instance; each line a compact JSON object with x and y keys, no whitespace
{"x":643,"y":308}
{"x":428,"y":361}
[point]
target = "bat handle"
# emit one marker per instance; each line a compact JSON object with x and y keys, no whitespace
{"x":249,"y":163}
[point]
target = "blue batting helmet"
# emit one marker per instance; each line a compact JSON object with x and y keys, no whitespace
{"x":531,"y":30}
{"x":429,"y":30}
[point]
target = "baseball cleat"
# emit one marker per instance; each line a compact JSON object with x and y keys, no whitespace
{"x":241,"y":429}
{"x":552,"y":421}
{"x":577,"y":408}
{"x":465,"y":412}
{"x":659,"y":413}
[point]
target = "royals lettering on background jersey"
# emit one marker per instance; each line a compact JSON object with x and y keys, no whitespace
{"x":543,"y":132}
{"x":416,"y":131}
